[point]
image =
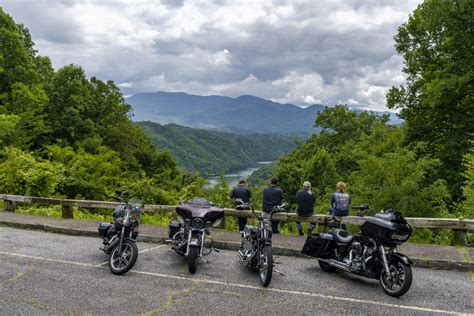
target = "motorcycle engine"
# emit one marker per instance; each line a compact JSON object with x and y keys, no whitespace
{"x":357,"y":248}
{"x":247,"y":247}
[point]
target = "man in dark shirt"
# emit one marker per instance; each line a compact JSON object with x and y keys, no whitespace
{"x":305,"y":199}
{"x":238,"y":195}
{"x":272,"y":196}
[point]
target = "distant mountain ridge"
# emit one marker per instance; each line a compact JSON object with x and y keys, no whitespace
{"x":210,"y":152}
{"x":243,"y":115}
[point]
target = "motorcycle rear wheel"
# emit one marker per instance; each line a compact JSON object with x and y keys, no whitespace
{"x":193,"y":256}
{"x":121,"y":262}
{"x":401,"y":278}
{"x":266,"y":265}
{"x":326,"y":266}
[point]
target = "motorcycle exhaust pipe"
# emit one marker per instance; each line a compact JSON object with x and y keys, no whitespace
{"x":241,"y":255}
{"x":337,"y":264}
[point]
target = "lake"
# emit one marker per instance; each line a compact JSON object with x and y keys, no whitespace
{"x":233,"y":178}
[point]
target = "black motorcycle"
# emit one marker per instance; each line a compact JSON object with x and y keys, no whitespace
{"x":188,"y":236}
{"x":119,"y":237}
{"x":371,"y":253}
{"x":256,"y":248}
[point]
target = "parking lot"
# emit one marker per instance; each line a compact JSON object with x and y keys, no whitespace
{"x":44,"y":273}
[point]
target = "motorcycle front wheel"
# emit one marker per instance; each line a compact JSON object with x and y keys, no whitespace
{"x":193,"y":257}
{"x":399,"y":281}
{"x":121,"y":261}
{"x":266,"y":265}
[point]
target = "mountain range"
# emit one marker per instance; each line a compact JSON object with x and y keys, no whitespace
{"x":243,"y":115}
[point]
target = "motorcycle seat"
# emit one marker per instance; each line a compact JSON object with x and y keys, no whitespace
{"x":341,"y":236}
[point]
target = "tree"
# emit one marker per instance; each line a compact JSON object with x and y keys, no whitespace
{"x":21,"y":173}
{"x":468,"y":189}
{"x":437,"y":100}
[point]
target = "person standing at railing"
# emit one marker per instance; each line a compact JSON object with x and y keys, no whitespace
{"x":238,"y":195}
{"x":272,"y":196}
{"x":305,"y":198}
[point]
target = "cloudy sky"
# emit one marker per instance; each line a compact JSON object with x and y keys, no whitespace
{"x":300,"y":52}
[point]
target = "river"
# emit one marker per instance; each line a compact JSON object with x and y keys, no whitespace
{"x":233,"y":178}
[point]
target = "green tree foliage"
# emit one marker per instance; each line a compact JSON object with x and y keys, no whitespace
{"x":21,"y":173}
{"x":369,"y":155}
{"x":467,"y":207}
{"x":69,"y":135}
{"x":210,"y":152}
{"x":7,"y":128}
{"x":437,"y":100}
{"x":85,"y":175}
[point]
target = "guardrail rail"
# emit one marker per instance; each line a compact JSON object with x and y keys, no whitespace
{"x":460,"y":227}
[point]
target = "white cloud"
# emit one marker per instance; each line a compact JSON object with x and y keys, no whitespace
{"x":220,"y":58}
{"x":299,"y":52}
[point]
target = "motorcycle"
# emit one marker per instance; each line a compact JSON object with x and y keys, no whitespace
{"x":188,"y":235}
{"x":256,"y":247}
{"x":119,"y":237}
{"x":371,"y":253}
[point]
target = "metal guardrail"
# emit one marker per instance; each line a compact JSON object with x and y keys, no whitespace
{"x":459,"y":226}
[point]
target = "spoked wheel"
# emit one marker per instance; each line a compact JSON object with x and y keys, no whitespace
{"x":266,"y":265}
{"x":121,"y":262}
{"x":326,"y":266}
{"x":193,"y":256}
{"x":399,"y":281}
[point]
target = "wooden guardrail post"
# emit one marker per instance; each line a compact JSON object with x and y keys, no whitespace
{"x":9,"y":206}
{"x":459,"y":237}
{"x":67,"y":211}
{"x":323,"y":226}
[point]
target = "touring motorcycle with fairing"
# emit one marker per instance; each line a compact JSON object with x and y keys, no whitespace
{"x":371,"y":253}
{"x":188,"y":236}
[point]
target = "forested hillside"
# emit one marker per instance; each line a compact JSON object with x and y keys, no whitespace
{"x":211,"y":152}
{"x":63,"y":134}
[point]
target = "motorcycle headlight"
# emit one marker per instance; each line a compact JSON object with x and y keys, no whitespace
{"x":187,"y":222}
{"x":400,"y":237}
{"x":198,"y":223}
{"x":266,"y":224}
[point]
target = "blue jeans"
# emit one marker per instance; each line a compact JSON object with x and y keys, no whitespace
{"x":312,"y":225}
{"x":242,"y":222}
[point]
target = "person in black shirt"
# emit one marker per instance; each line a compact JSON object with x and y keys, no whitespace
{"x":241,"y":193}
{"x":272,"y":196}
{"x":305,"y":199}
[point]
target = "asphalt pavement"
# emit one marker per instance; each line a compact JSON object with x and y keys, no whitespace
{"x":44,"y":273}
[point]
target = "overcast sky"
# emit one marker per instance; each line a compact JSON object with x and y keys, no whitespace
{"x":301,"y":52}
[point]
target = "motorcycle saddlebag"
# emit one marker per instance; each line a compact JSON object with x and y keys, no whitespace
{"x":316,"y":244}
{"x":104,"y":228}
{"x":173,"y":229}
